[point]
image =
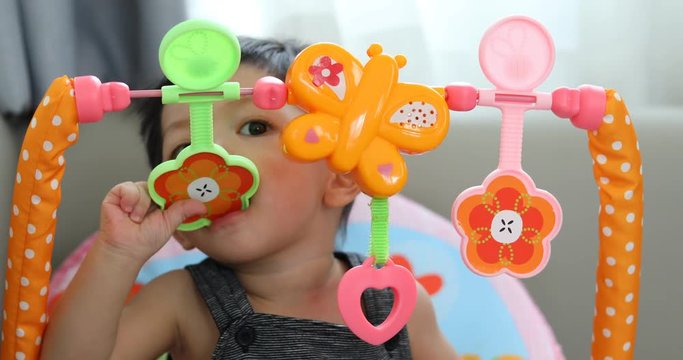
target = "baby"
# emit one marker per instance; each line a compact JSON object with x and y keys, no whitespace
{"x":268,"y":289}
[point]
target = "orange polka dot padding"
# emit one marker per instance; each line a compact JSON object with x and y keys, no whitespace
{"x":37,"y":193}
{"x":618,"y":173}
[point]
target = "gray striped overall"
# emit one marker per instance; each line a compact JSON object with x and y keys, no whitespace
{"x":245,"y":334}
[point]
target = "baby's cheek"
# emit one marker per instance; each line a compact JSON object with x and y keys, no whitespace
{"x":291,"y":185}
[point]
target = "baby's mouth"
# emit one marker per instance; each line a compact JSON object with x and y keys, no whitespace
{"x":232,"y":217}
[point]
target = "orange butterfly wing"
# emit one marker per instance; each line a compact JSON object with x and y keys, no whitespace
{"x":321,"y":81}
{"x":322,"y":77}
{"x":416,"y":118}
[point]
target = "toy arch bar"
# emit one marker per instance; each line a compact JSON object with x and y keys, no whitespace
{"x":94,"y":99}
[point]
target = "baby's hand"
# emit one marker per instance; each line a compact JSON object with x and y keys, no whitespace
{"x":131,"y":225}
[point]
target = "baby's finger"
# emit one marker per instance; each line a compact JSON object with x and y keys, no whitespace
{"x":128,"y":195}
{"x":143,"y":204}
{"x":178,"y":212}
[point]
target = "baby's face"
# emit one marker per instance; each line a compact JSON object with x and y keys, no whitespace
{"x":290,"y":193}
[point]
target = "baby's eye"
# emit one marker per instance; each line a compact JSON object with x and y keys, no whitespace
{"x":178,"y":149}
{"x":254,"y":128}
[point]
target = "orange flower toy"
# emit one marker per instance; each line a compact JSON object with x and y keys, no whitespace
{"x":360,"y":118}
{"x":507,"y":223}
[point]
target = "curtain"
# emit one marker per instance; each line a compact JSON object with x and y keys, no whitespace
{"x":113,"y":40}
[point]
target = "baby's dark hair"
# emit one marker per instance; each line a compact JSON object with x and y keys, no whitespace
{"x":272,"y":56}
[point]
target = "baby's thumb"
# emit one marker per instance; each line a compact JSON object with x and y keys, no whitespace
{"x":178,"y":212}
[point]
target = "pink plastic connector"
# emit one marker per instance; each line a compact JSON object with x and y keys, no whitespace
{"x":270,"y":93}
{"x":93,"y":98}
{"x":461,"y":96}
{"x":584,"y":106}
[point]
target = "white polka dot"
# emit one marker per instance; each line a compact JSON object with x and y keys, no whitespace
{"x":608,"y":358}
{"x":629,"y":319}
{"x":628,"y":195}
{"x":71,"y":92}
{"x":46,"y":100}
{"x":608,"y":118}
{"x":629,"y":297}
{"x":47,"y":146}
{"x":630,"y":217}
{"x":56,"y":120}
{"x":18,"y":178}
{"x":54,"y":214}
{"x":23,"y":305}
{"x":595,"y":133}
{"x":601,"y":159}
{"x":617,"y":96}
{"x":31,"y":229}
{"x":29,"y":253}
{"x":60,"y":160}
{"x":43,"y":291}
{"x":39,"y":341}
{"x":9,"y":263}
{"x":34,"y":122}
{"x":610,"y":311}
{"x":43,"y":318}
{"x":609,"y":282}
{"x":628,"y":120}
{"x":625,"y":167}
{"x":35,"y":199}
{"x":48,"y":239}
{"x":24,"y":281}
{"x":606,"y":332}
{"x":607,"y":231}
{"x":616,"y":145}
{"x":20,"y":355}
{"x":641,"y":169}
{"x":15,"y":210}
{"x":611,"y":261}
{"x":20,"y":332}
{"x":637,"y":145}
{"x":604,"y":180}
{"x":631,"y":270}
{"x":11,"y":232}
{"x":38,"y":175}
{"x":24,"y":154}
{"x":629,"y":246}
{"x":71,"y":137}
{"x":627,"y":346}
{"x":54,"y":184}
{"x":47,"y":266}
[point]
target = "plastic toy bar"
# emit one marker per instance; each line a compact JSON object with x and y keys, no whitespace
{"x":94,"y":99}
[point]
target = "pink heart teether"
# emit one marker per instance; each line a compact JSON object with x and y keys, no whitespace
{"x":365,"y":276}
